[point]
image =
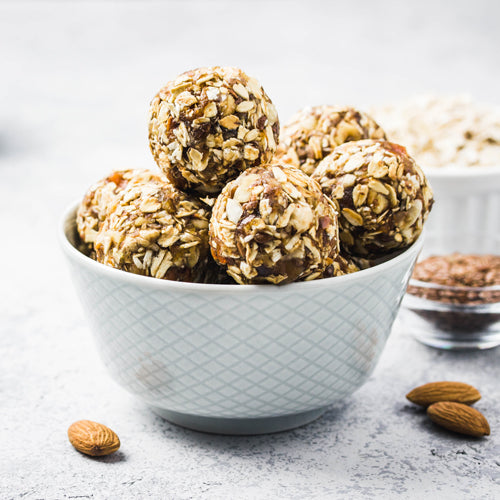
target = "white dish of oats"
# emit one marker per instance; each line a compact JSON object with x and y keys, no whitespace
{"x":456,"y":141}
{"x":445,"y":131}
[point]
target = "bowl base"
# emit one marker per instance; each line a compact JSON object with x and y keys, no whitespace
{"x":240,"y":426}
{"x":442,"y":340}
{"x":449,"y":329}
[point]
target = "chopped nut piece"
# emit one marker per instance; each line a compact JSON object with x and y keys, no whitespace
{"x":386,"y":207}
{"x":201,"y":111}
{"x":313,"y":133}
{"x":233,"y":211}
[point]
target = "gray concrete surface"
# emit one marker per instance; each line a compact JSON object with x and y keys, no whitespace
{"x":75,"y":83}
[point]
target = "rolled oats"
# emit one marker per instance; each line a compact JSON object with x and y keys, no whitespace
{"x":274,"y":225}
{"x":385,"y":208}
{"x":209,"y":125}
{"x":313,"y":133}
{"x":443,"y":131}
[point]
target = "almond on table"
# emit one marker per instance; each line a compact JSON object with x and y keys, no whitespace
{"x":459,"y":418}
{"x":92,"y":438}
{"x":435,"y":392}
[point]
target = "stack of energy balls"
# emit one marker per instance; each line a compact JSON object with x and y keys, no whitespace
{"x":234,"y":202}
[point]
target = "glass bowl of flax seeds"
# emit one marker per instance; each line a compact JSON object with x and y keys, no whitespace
{"x":453,"y":297}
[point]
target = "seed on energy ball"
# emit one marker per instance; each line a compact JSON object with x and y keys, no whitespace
{"x":383,"y":196}
{"x":155,"y":230}
{"x":273,"y":225}
{"x":315,"y":132}
{"x":101,"y":197}
{"x":210,"y":124}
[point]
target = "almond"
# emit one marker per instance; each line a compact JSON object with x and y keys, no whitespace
{"x":93,"y":438}
{"x":460,"y":418}
{"x":434,"y":392}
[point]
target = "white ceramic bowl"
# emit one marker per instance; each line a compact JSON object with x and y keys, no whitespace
{"x":239,"y":359}
{"x":467,"y":209}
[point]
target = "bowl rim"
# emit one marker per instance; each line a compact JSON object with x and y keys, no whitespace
{"x":462,"y":172}
{"x":438,"y":286}
{"x":158,"y":284}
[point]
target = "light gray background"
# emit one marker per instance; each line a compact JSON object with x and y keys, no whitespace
{"x":75,"y":83}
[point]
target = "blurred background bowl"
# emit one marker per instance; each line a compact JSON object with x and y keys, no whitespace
{"x":449,"y":325}
{"x":436,"y":314}
{"x":466,"y":213}
{"x":236,"y":359}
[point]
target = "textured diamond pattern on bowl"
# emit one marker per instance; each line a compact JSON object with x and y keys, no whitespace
{"x":232,"y":355}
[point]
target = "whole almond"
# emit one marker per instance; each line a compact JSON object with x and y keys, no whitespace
{"x":434,"y":392}
{"x":93,"y":438}
{"x":459,"y":418}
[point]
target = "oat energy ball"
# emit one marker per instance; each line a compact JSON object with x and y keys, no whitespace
{"x":209,"y":125}
{"x":313,"y":133}
{"x":100,"y":198}
{"x":155,"y":230}
{"x":273,"y":225}
{"x":383,"y":196}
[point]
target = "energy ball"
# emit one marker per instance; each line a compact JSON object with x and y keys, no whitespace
{"x":155,"y":230}
{"x":209,"y":125}
{"x":315,"y":132}
{"x":101,"y":197}
{"x":273,"y":225}
{"x":383,"y":196}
